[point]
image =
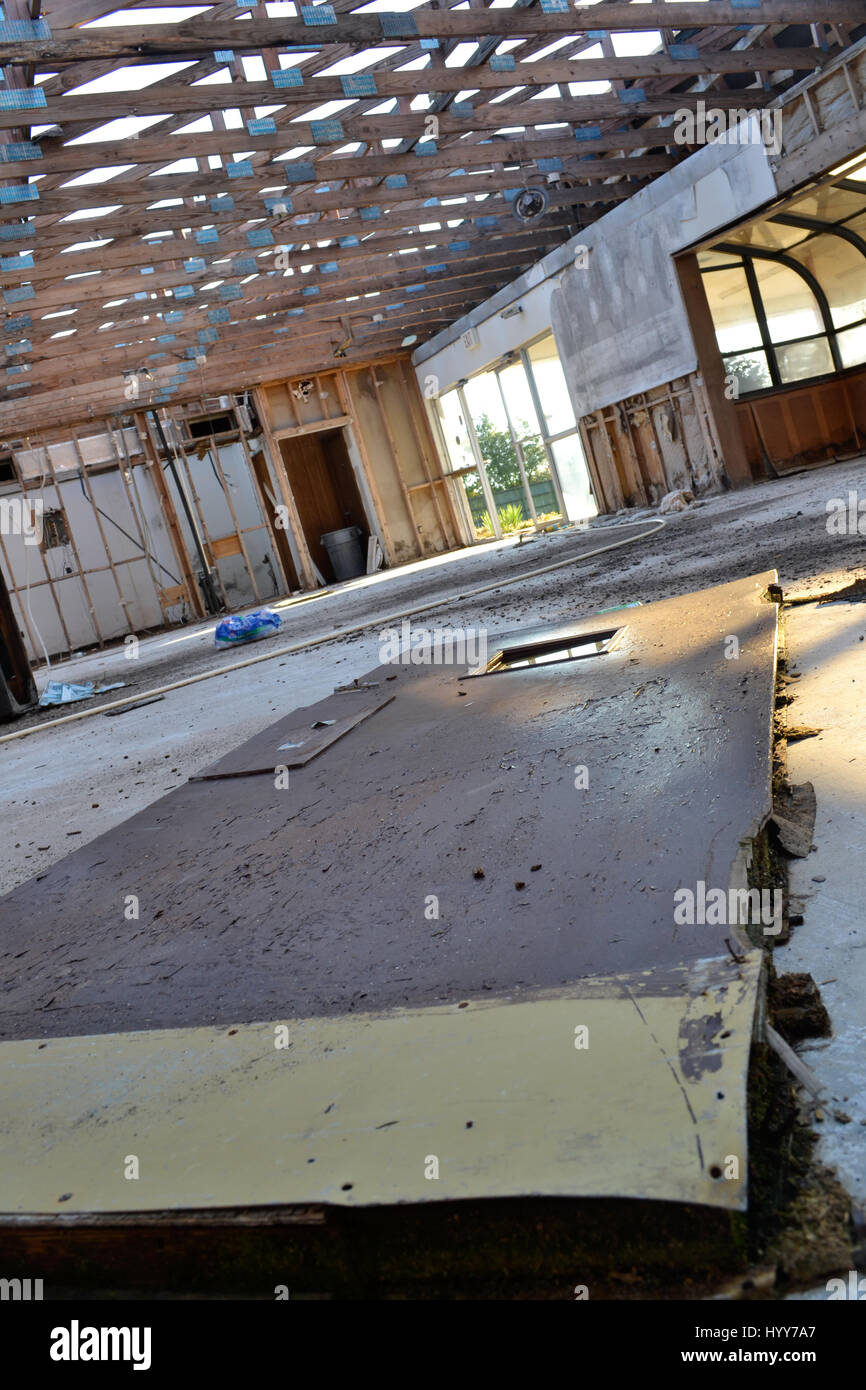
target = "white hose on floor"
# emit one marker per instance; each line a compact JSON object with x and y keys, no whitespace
{"x":332,"y":636}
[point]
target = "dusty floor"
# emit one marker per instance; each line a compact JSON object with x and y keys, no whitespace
{"x":824,"y":642}
{"x":62,"y":788}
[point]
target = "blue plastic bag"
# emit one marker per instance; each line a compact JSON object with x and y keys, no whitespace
{"x":246,"y":627}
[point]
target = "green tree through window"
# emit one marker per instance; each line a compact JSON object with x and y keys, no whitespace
{"x":498,"y":452}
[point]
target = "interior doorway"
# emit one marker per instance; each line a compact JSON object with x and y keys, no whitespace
{"x":326,"y":493}
{"x":269,"y":501}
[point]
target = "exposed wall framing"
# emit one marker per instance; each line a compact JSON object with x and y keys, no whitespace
{"x":406,"y":497}
{"x":653,"y":443}
{"x":127,"y":554}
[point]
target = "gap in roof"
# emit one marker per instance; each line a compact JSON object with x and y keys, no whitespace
{"x":551,"y":48}
{"x":578,"y":89}
{"x":294,"y":60}
{"x":92,"y":212}
{"x":254,"y":68}
{"x":124,"y":128}
{"x":161,"y":14}
{"x":328,"y":108}
{"x":356,"y":62}
{"x":377,"y":6}
{"x":98,"y":175}
{"x":180,"y":166}
{"x":460,"y":55}
{"x":87,"y":246}
{"x":127,"y":79}
{"x":202,"y":125}
{"x":636,"y":45}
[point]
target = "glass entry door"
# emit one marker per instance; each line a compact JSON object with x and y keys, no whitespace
{"x":541,"y":495}
{"x":464,"y":453}
{"x":513,"y":442}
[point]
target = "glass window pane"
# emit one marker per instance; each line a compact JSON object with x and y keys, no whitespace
{"x":829,"y":204}
{"x":798,"y":361}
{"x":574,"y":478}
{"x":750,"y":371}
{"x":709,"y":259}
{"x":551,"y":386}
{"x":477,"y":506}
{"x":731,"y":307}
{"x":775,"y":236}
{"x":852,"y":345}
{"x":518,"y":399}
{"x":483,"y":398}
{"x":790,"y":306}
{"x":494,"y":442}
{"x":840,"y":270}
{"x":455,"y":430}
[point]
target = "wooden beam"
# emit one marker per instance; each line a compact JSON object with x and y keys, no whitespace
{"x":210,"y":97}
{"x":155,"y":41}
{"x":72,"y":159}
{"x":267,"y":290}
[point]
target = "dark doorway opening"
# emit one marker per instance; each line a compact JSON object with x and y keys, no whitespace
{"x":324,"y":488}
{"x":269,"y":505}
{"x":17,"y":686}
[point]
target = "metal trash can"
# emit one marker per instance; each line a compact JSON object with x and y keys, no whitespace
{"x":346,"y":552}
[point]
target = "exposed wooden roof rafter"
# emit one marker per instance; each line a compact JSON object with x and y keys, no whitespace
{"x":378,"y":182}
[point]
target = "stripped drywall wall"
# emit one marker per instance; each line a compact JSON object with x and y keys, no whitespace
{"x":103,"y":580}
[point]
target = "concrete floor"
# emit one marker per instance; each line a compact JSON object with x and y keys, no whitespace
{"x":62,"y":788}
{"x":824,"y":644}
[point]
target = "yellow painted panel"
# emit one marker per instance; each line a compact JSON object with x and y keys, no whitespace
{"x":355,"y":1109}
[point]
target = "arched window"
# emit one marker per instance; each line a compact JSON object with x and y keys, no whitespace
{"x":788,"y":294}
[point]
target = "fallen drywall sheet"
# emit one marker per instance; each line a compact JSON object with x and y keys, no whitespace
{"x":633,"y":1086}
{"x":444,"y":848}
{"x":469,"y":954}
